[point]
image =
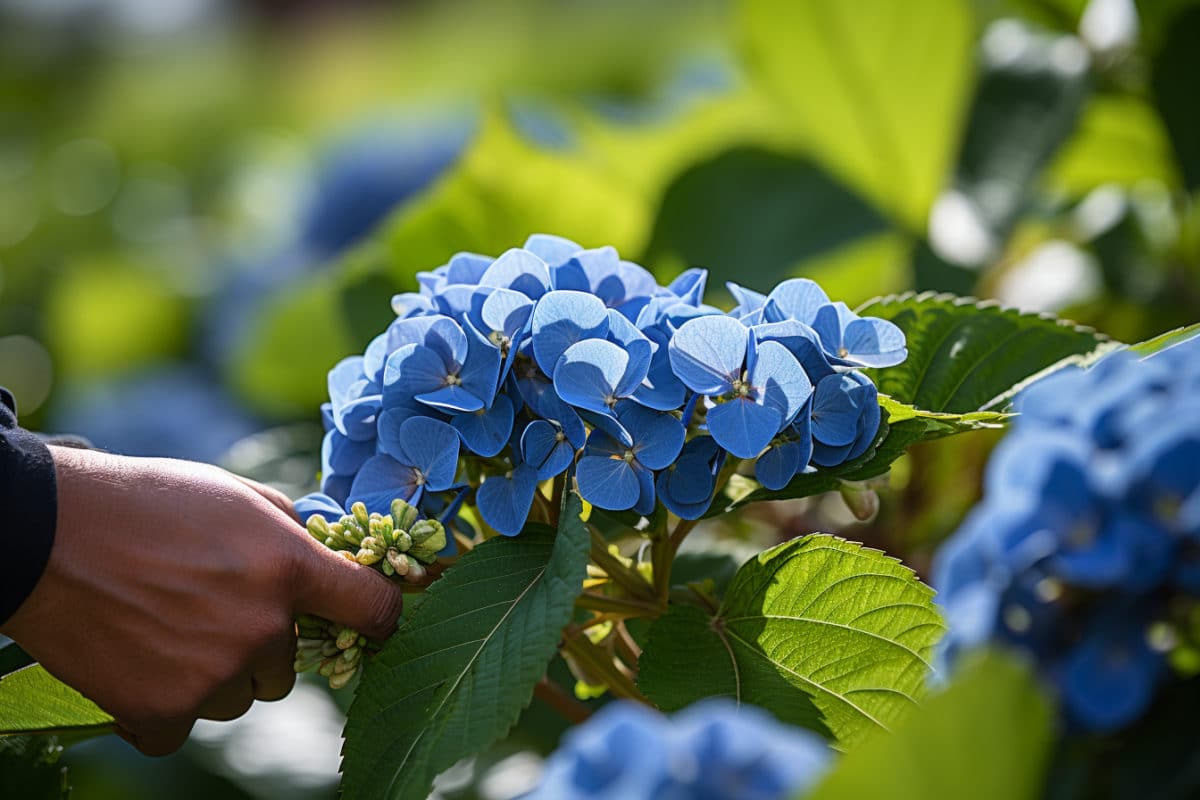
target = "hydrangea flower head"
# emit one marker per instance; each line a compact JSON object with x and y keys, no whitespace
{"x":502,"y":378}
{"x":1087,"y":539}
{"x":713,"y":750}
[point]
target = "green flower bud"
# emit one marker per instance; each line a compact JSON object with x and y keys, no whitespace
{"x":346,"y":554}
{"x":386,"y":567}
{"x":398,"y":562}
{"x":382,"y":528}
{"x":346,"y":638}
{"x":428,"y":537}
{"x":339,"y":681}
{"x":318,"y":528}
{"x":359,"y":510}
{"x":367,"y":557}
{"x":351,"y":653}
{"x":404,"y":515}
{"x":403,"y":541}
{"x":327,"y":666}
{"x":860,"y":498}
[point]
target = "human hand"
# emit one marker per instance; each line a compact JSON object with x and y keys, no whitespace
{"x":171,"y":592}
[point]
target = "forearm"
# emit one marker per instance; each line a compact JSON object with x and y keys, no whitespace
{"x":28,"y":509}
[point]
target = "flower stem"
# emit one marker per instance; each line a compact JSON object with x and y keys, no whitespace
{"x":554,"y":696}
{"x":620,"y":574}
{"x":601,"y":664}
{"x":623,"y":606}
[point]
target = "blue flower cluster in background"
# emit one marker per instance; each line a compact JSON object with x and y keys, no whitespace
{"x":1088,"y":539}
{"x":553,"y":356}
{"x":713,"y":750}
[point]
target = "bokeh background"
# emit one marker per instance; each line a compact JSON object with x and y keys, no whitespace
{"x":204,"y":204}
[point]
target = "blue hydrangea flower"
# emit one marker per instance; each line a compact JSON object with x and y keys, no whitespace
{"x":558,"y":362}
{"x":1087,"y":535}
{"x":759,"y":388}
{"x":686,"y":487}
{"x":713,"y":750}
{"x":619,"y":476}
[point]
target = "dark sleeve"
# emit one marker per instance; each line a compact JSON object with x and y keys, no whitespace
{"x":28,"y":509}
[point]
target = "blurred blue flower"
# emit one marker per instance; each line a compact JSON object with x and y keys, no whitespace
{"x":1086,"y":538}
{"x":159,"y":412}
{"x":714,"y":750}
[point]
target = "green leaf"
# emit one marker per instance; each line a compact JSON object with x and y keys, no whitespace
{"x":455,"y":676}
{"x":966,"y":356}
{"x":902,"y":426}
{"x":31,"y":700}
{"x":876,"y":89}
{"x":1166,"y":341}
{"x":986,"y":737}
{"x":796,"y":210}
{"x":814,"y":622}
{"x":1120,"y":140}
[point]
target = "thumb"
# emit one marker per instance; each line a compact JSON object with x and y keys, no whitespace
{"x":330,"y":586}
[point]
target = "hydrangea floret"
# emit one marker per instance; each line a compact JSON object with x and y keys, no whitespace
{"x":1085,"y":551}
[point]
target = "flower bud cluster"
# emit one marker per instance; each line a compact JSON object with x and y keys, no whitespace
{"x":398,"y":544}
{"x":1085,"y":551}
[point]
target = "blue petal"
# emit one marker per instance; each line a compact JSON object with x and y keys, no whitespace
{"x":519,"y":270}
{"x":342,"y":455}
{"x":505,"y":311}
{"x":553,"y":250}
{"x":748,"y":300}
{"x":456,"y":301}
{"x":504,"y":501}
{"x":321,"y":504}
{"x":346,"y":380}
{"x":607,"y":482}
{"x":801,"y":341}
{"x":467,"y":268}
{"x":657,"y":437}
{"x":430,"y":446}
{"x":636,"y":344}
{"x":743,"y":427}
{"x":542,"y":449}
{"x":686,"y":486}
{"x":562,"y":318}
{"x":336,"y":487}
{"x":480,"y":373}
{"x":390,"y":422}
{"x":381,"y":480}
{"x":798,"y":298}
{"x":778,"y":465}
{"x":779,"y":380}
{"x":412,"y":370}
{"x":357,"y":418}
{"x":375,"y":356}
{"x":830,"y":324}
{"x":689,"y":286}
{"x":439,"y":333}
{"x":588,"y":373}
{"x":873,"y":342}
{"x":707,"y":353}
{"x":451,"y":399}
{"x":645,"y":501}
{"x":485,"y":432}
{"x":836,"y":411}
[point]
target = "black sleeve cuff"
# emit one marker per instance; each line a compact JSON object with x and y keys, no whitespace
{"x":28,"y":509}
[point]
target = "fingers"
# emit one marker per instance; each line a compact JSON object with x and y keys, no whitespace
{"x":337,"y":589}
{"x":274,"y":676}
{"x":156,"y":739}
{"x":229,"y":701}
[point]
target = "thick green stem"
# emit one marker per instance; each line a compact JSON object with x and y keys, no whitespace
{"x":624,"y":606}
{"x":625,"y":577}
